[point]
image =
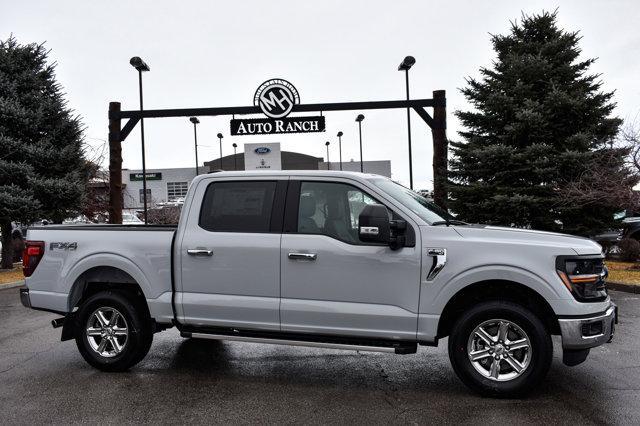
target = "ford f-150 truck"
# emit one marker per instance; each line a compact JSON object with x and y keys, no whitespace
{"x":325,"y":259}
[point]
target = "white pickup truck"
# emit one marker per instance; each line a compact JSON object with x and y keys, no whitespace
{"x":325,"y":259}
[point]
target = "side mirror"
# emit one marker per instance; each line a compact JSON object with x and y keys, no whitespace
{"x":373,"y":224}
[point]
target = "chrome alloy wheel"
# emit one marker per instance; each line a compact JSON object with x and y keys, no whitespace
{"x":499,"y":350}
{"x":107,"y":332}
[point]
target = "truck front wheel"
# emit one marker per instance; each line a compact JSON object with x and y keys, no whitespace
{"x":500,"y":349}
{"x":111,"y":334}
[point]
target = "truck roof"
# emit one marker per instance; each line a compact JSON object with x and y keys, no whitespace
{"x":333,"y":173}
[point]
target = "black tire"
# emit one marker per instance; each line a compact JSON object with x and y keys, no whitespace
{"x":540,"y":353}
{"x":139,"y":328}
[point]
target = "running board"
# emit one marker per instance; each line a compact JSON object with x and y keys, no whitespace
{"x":314,"y":344}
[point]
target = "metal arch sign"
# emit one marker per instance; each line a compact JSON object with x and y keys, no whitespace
{"x":276,"y":99}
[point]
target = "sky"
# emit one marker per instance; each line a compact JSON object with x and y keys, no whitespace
{"x":213,"y":53}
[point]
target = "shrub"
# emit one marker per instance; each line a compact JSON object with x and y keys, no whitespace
{"x":629,"y":249}
{"x":164,"y":216}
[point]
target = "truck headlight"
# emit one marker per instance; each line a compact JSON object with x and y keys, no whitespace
{"x":584,"y":276}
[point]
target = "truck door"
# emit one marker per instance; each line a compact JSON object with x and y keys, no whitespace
{"x":230,"y":253}
{"x":332,"y":283}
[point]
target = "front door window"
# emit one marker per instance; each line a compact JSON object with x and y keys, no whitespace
{"x":332,"y":209}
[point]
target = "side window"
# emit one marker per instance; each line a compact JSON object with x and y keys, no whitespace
{"x":177,"y":190}
{"x":240,"y":206}
{"x":148,"y":195}
{"x":331,"y":209}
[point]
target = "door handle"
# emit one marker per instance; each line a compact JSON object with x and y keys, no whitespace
{"x":303,"y":256}
{"x":200,"y":252}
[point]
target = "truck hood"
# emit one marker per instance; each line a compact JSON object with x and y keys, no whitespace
{"x":582,"y":246}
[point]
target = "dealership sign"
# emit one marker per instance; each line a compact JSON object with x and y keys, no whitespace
{"x":268,"y":126}
{"x":150,"y":176}
{"x":276,"y":99}
{"x":263,"y":156}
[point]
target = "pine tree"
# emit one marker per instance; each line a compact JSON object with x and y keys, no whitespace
{"x":42,"y":164}
{"x":540,"y":122}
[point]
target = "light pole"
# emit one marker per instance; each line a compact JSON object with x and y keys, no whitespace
{"x":405,"y":66}
{"x":359,"y":119}
{"x":340,"y":148}
{"x":328,"y":162}
{"x":235,"y":162}
{"x":220,"y":139}
{"x":141,"y":66}
{"x":195,"y":122}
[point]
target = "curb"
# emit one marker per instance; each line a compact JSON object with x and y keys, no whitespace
{"x":12,"y":285}
{"x":628,"y":288}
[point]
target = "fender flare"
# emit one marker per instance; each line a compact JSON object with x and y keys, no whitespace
{"x":496,"y":272}
{"x":112,"y":260}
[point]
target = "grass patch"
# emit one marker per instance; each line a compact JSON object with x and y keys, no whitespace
{"x":624,"y":272}
{"x":11,"y":275}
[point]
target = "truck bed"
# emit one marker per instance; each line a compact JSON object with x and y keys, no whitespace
{"x":76,"y":254}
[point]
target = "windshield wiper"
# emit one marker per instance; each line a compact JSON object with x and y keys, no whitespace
{"x":449,"y":222}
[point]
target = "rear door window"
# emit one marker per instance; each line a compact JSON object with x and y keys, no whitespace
{"x":241,"y":206}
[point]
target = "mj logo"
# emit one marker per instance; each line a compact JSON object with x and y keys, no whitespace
{"x":276,"y":98}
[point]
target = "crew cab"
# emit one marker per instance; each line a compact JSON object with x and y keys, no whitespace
{"x":325,"y":259}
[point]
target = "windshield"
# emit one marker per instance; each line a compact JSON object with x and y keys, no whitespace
{"x":415,"y":202}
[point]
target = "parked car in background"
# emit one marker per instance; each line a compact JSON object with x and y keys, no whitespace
{"x":631,"y":225}
{"x":78,"y":220}
{"x":609,"y":241}
{"x":131,"y":219}
{"x":325,"y":259}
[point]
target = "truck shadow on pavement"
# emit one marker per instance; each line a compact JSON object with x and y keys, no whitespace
{"x":422,"y":373}
{"x":203,"y":356}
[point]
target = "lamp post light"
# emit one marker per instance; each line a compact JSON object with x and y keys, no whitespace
{"x":328,"y":162}
{"x":405,"y":66}
{"x":340,"y":148}
{"x":220,"y":139}
{"x":141,"y":66}
{"x":359,"y":119}
{"x":235,"y":161}
{"x":195,"y":122}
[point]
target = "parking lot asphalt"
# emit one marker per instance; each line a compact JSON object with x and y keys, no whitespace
{"x":43,"y":380}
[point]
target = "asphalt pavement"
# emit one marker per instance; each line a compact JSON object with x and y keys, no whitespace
{"x":43,"y":380}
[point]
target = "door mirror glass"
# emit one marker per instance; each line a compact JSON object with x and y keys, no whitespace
{"x":373,"y":224}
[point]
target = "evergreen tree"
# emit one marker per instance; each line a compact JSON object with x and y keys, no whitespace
{"x":42,"y":164}
{"x":540,"y":122}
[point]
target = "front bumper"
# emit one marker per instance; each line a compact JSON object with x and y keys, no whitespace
{"x":24,"y":297}
{"x":589,"y":332}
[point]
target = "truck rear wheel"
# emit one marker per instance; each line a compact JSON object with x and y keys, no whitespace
{"x":500,"y":349}
{"x":111,"y":334}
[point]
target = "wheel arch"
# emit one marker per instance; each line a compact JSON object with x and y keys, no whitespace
{"x":496,"y":289}
{"x":99,"y":278}
{"x":105,"y":268}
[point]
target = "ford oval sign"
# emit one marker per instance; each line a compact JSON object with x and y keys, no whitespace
{"x":262,"y":150}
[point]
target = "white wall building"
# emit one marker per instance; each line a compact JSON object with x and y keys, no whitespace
{"x":169,"y":185}
{"x":163,"y":185}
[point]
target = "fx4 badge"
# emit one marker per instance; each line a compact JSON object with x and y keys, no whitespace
{"x":439,"y":260}
{"x":63,"y":246}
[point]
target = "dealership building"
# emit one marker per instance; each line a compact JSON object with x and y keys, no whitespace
{"x":171,"y":185}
